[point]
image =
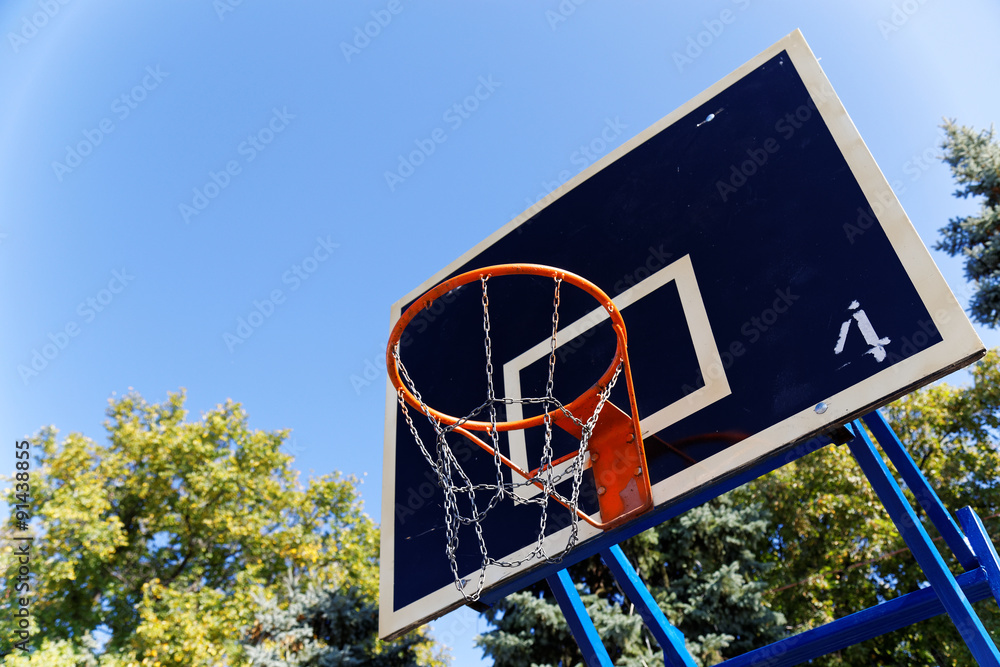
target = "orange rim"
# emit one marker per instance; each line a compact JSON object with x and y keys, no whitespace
{"x":428,"y":298}
{"x":583,"y":402}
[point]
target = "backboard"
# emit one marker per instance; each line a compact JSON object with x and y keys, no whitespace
{"x":771,"y":284}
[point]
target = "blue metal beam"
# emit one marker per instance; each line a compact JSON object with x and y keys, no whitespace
{"x":670,"y":639}
{"x":861,"y":626}
{"x":926,"y":554}
{"x":983,"y":546}
{"x":917,"y":483}
{"x":579,"y":621}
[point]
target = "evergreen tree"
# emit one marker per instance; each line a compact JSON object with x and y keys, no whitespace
{"x":280,"y":636}
{"x":700,"y":567}
{"x":974,"y":158}
{"x":306,"y":626}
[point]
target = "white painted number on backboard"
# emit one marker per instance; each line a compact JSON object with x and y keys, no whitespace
{"x":877,"y":348}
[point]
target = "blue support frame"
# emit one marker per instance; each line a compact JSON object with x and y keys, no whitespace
{"x":860,"y":626}
{"x":670,"y":639}
{"x":940,"y":577}
{"x":922,"y":491}
{"x":946,"y":594}
{"x":579,"y":620}
{"x":982,"y":545}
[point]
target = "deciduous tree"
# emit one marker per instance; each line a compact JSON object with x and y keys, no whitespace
{"x":149,"y":547}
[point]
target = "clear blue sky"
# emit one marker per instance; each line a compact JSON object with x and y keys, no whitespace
{"x":299,"y":131}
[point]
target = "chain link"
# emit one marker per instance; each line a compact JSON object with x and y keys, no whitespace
{"x":455,"y":482}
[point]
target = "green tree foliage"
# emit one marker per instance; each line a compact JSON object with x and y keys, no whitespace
{"x":836,"y":551}
{"x":974,"y":158}
{"x":700,"y":567}
{"x":156,"y":541}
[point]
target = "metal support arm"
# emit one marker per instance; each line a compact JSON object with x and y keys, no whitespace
{"x":946,"y":594}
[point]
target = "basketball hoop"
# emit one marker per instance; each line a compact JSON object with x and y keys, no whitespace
{"x":610,"y":440}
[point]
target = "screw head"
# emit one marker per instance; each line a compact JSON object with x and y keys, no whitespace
{"x":630,"y":438}
{"x":601,"y":490}
{"x":594,"y":456}
{"x":821,"y":408}
{"x":638,"y":472}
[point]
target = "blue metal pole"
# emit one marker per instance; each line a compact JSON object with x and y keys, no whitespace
{"x":670,"y":639}
{"x":860,"y":626}
{"x":579,"y":621}
{"x":942,"y":581}
{"x":983,"y":546}
{"x":917,"y":483}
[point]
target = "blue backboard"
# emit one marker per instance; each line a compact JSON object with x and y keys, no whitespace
{"x":772,"y":287}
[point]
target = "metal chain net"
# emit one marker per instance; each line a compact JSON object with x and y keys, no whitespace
{"x":456,"y":484}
